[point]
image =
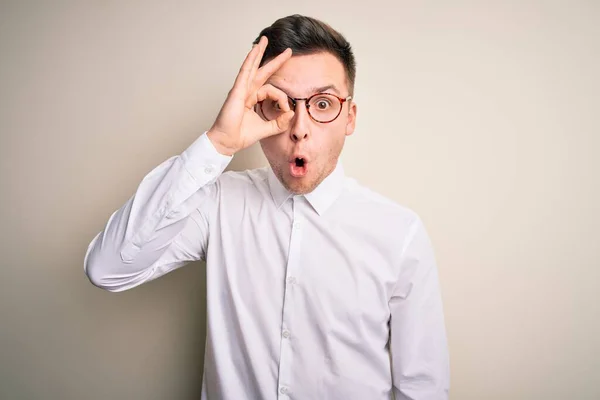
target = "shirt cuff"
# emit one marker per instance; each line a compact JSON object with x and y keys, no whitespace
{"x":203,"y":160}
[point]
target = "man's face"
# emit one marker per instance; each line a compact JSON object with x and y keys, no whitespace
{"x":320,"y":144}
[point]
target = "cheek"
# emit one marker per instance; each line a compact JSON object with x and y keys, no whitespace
{"x":269,"y":145}
{"x":336,"y":136}
{"x":273,"y":148}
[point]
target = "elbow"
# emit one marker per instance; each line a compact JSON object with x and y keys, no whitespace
{"x":96,"y":270}
{"x":91,"y":265}
{"x":97,"y":279}
{"x":105,"y":275}
{"x":106,"y":270}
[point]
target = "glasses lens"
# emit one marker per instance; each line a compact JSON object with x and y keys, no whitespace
{"x":271,"y":109}
{"x":324,"y":107}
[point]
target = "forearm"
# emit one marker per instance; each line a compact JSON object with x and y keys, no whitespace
{"x":128,"y":251}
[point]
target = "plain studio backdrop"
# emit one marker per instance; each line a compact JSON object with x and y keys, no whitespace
{"x":483,"y":117}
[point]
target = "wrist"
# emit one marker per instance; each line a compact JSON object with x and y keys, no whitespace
{"x":221,"y":145}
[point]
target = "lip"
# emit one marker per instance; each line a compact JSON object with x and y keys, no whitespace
{"x":298,"y":155}
{"x":298,"y":172}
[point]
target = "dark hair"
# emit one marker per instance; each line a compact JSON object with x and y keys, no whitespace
{"x":306,"y":35}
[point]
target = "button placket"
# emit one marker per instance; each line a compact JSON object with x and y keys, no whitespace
{"x":293,"y":265}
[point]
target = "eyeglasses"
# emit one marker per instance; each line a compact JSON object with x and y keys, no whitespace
{"x":322,"y":107}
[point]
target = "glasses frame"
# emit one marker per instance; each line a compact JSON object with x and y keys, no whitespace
{"x":295,"y":100}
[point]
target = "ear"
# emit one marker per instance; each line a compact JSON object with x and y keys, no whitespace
{"x":351,"y":124}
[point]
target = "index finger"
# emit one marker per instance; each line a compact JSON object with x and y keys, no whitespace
{"x":262,"y":44}
{"x":269,"y":69}
{"x":246,"y":69}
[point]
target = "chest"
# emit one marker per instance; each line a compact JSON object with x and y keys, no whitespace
{"x":333,"y":267}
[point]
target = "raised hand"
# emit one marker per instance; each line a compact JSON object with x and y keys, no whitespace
{"x":238,"y":126}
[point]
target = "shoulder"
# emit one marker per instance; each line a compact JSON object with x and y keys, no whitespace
{"x":367,"y":197}
{"x":379,"y":210}
{"x":247,"y":178}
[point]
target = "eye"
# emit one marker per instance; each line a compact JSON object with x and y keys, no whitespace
{"x":322,"y":103}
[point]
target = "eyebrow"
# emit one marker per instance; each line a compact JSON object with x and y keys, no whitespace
{"x":324,"y":89}
{"x":313,"y":90}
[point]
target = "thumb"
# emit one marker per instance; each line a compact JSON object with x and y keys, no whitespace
{"x":282,"y":122}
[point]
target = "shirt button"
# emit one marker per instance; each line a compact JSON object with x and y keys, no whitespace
{"x":283,"y":390}
{"x":209,"y":169}
{"x":296,"y":225}
{"x":286,"y":334}
{"x":291,"y":280}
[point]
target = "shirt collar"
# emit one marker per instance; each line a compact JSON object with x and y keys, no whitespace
{"x":321,"y":198}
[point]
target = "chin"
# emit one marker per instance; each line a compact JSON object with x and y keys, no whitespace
{"x":299,"y":187}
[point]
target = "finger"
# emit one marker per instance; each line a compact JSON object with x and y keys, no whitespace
{"x":242,"y":79}
{"x":279,"y":125}
{"x":269,"y":68}
{"x":275,"y":127}
{"x":271,"y":92}
{"x":262,"y":43}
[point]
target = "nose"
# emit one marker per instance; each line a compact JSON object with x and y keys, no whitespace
{"x":299,"y":129}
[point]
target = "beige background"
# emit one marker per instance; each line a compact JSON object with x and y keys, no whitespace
{"x":482,"y":117}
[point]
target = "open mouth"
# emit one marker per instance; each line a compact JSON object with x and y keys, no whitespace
{"x":298,"y":167}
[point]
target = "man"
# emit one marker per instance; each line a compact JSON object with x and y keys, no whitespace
{"x":317,"y":287}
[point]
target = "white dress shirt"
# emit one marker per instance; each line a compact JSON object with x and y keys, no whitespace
{"x":329,"y":295}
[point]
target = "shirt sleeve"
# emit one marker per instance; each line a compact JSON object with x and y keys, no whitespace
{"x":418,"y":344}
{"x":163,"y":225}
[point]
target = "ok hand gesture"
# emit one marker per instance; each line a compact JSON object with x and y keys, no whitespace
{"x":238,"y":126}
